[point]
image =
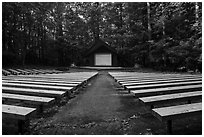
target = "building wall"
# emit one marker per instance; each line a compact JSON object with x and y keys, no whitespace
{"x":91,"y":58}
{"x":114,"y":60}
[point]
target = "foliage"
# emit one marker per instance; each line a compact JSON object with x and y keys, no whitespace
{"x":161,"y":35}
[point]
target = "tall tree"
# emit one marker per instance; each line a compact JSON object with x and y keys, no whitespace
{"x":149,"y":21}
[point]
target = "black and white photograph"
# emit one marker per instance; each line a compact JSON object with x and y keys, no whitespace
{"x":101,"y":68}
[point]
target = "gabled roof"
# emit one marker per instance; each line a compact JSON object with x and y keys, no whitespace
{"x":97,"y":44}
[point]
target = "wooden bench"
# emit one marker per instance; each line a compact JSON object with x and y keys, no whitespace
{"x":167,"y":114}
{"x":42,"y":80}
{"x":14,"y":72}
{"x":5,"y":72}
{"x":161,"y":99}
{"x":24,"y":72}
{"x":155,"y":79}
{"x":29,"y":77}
{"x":58,"y":71}
{"x":41,"y":83}
{"x":46,"y":77}
{"x":41,"y":72}
{"x":30,"y":100}
{"x":163,"y":85}
{"x":140,"y":75}
{"x":37,"y":86}
{"x":32,"y":71}
{"x":21,"y":114}
{"x":167,"y":90}
{"x":55,"y":71}
{"x":160,"y":82}
{"x":46,"y":71}
{"x":35,"y":92}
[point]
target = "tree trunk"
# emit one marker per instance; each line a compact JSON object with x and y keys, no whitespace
{"x":121,"y":23}
{"x":196,"y":12}
{"x":148,"y":21}
{"x":163,"y":23}
{"x":97,"y":16}
{"x":149,"y":32}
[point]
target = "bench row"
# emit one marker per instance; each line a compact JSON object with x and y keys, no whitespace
{"x":158,"y":90}
{"x":6,"y":72}
{"x":35,"y":94}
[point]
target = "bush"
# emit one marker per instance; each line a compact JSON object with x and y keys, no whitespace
{"x":9,"y":58}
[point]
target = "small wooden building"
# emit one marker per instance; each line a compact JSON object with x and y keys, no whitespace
{"x":101,"y":54}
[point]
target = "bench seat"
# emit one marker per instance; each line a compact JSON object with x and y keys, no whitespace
{"x":40,"y":77}
{"x":14,"y":72}
{"x":160,"y":99}
{"x":29,"y":100}
{"x":21,"y":114}
{"x":167,"y":114}
{"x":26,"y":98}
{"x":41,"y":83}
{"x":36,"y":86}
{"x":35,"y":92}
{"x":42,"y":80}
{"x":32,"y":71}
{"x":17,"y":112}
{"x":160,"y":82}
{"x":38,"y":71}
{"x":163,"y":85}
{"x":5,"y":72}
{"x":155,"y":78}
{"x":166,"y":90}
{"x":24,"y":72}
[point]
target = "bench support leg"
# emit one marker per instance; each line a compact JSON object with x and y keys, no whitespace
{"x":41,"y":108}
{"x":23,"y":126}
{"x":169,"y":126}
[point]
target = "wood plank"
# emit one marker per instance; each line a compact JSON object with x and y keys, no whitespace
{"x":38,"y":71}
{"x":32,"y":71}
{"x":26,"y":98}
{"x":167,"y":90}
{"x":5,"y":72}
{"x":174,"y":112}
{"x":46,"y":71}
{"x":37,"y":77}
{"x":140,"y":74}
{"x":23,"y":71}
{"x":152,"y":100}
{"x":58,"y":71}
{"x":14,"y":72}
{"x":35,"y":92}
{"x":160,"y":82}
{"x":37,"y":86}
{"x":44,"y":80}
{"x":156,"y":78}
{"x":17,"y":112}
{"x":151,"y":75}
{"x":41,"y":83}
{"x":163,"y":85}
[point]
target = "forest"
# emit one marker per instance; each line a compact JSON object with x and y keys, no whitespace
{"x":158,"y":35}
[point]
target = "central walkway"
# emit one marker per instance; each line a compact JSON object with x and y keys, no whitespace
{"x":100,"y":101}
{"x":95,"y":110}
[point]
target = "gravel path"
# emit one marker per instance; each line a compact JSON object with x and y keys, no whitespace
{"x":100,"y":109}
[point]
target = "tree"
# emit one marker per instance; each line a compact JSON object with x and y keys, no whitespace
{"x":159,"y":35}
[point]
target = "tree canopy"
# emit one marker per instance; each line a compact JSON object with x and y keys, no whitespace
{"x":161,"y":35}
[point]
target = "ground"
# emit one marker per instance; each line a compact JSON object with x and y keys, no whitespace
{"x":100,"y":109}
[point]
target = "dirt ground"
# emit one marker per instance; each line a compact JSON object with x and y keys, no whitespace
{"x":101,"y":109}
